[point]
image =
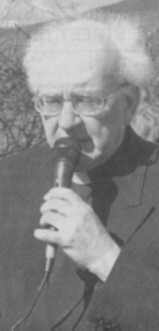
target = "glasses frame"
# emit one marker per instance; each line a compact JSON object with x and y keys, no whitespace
{"x":106,"y":103}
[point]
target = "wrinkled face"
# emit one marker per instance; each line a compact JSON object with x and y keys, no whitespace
{"x":80,"y":103}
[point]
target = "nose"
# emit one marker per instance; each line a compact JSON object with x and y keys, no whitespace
{"x":68,"y":119}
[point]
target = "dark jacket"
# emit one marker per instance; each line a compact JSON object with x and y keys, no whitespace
{"x":126,"y":196}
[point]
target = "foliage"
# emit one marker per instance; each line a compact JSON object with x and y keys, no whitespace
{"x":20,"y":126}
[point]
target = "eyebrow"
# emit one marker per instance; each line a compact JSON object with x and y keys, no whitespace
{"x":76,"y":92}
{"x":53,"y":96}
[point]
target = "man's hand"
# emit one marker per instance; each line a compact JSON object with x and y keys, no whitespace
{"x":71,"y":223}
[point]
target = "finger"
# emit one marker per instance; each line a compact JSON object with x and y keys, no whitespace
{"x":52,"y":220}
{"x":62,"y":193}
{"x":49,"y":236}
{"x":49,"y":194}
{"x":60,"y":206}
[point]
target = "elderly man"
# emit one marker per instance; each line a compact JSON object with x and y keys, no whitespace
{"x":86,"y":78}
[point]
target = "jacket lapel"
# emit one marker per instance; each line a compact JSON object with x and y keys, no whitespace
{"x":131,"y":207}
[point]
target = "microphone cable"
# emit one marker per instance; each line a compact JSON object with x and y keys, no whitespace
{"x":49,"y":266}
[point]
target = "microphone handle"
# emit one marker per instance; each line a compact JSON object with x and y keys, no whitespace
{"x":63,"y":172}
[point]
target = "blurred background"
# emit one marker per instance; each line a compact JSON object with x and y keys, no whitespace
{"x":20,"y":126}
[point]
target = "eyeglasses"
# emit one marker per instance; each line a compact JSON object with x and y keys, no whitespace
{"x":82,"y":105}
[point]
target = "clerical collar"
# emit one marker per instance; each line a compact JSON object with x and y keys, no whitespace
{"x":132,"y":153}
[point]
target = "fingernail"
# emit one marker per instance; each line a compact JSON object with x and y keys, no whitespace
{"x":36,"y":234}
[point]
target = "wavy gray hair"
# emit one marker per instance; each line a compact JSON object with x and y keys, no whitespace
{"x":121,"y":35}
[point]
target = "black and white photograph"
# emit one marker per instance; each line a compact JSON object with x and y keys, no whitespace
{"x":79,"y":165}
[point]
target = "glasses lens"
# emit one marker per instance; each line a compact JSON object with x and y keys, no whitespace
{"x":50,"y":106}
{"x":89,"y":105}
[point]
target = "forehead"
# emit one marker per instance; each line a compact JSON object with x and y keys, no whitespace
{"x":77,"y":70}
{"x":79,"y":59}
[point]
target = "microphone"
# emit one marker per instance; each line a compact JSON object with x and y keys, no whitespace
{"x":66,"y":153}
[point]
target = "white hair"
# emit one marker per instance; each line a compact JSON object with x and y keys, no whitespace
{"x":119,"y":34}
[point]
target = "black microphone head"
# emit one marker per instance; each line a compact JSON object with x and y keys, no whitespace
{"x":66,"y":155}
{"x":68,"y":147}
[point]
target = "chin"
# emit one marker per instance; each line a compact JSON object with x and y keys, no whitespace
{"x":89,"y":161}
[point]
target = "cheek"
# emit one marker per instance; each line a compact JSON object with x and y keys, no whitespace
{"x":107,"y":131}
{"x":98,"y":130}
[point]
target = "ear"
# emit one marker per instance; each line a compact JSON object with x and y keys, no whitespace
{"x":131,"y":96}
